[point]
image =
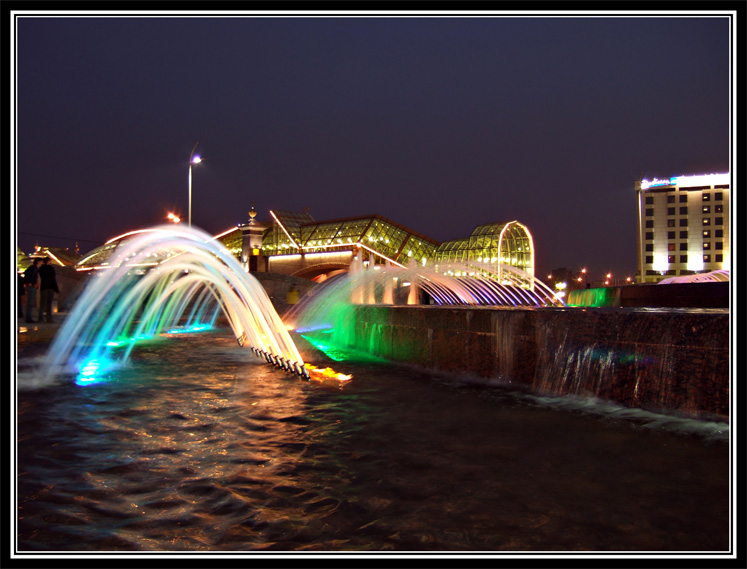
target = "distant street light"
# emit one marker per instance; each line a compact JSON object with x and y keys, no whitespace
{"x":193,"y":159}
{"x":173,"y":218}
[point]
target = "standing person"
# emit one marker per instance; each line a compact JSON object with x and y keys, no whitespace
{"x":31,"y":280}
{"x":47,"y":289}
{"x":21,"y":293}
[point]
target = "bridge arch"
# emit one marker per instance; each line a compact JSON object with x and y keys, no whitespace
{"x":313,"y":272}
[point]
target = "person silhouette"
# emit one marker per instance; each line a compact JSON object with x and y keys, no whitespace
{"x":47,"y":288}
{"x":31,"y":280}
{"x":21,"y":294}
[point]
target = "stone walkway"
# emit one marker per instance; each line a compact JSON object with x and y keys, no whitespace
{"x":38,"y":331}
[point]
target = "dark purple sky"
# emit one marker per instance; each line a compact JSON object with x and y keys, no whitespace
{"x":438,"y":123}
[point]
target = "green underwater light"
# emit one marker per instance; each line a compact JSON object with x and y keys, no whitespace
{"x":326,"y":349}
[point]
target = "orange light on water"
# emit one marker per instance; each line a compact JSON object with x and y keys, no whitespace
{"x":322,"y":374}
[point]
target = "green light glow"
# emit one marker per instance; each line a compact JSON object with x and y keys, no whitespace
{"x":325,"y":348}
{"x":593,"y":297}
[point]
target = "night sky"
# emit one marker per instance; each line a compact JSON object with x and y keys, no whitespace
{"x":438,"y":123}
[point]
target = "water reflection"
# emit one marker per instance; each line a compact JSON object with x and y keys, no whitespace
{"x":198,"y":447}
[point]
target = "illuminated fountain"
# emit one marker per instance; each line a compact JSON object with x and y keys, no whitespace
{"x":167,"y":280}
{"x":515,"y":331}
{"x":448,"y":284}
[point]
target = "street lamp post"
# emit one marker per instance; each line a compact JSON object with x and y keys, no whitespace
{"x":193,"y":159}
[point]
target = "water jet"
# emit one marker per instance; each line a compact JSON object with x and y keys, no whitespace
{"x":166,"y":281}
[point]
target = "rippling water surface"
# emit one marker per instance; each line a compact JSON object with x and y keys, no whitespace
{"x":198,"y":446}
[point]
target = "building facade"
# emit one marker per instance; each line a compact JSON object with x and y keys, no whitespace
{"x":683,"y":226}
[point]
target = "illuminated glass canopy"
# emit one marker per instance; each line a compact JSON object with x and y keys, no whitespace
{"x":110,"y":253}
{"x":99,"y":256}
{"x":386,"y":239}
{"x":505,"y":243}
{"x":292,"y":233}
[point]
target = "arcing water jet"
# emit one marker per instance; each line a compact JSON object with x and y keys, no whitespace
{"x":167,"y":280}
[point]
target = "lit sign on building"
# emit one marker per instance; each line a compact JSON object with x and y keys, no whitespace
{"x":645,"y":184}
{"x":702,"y":180}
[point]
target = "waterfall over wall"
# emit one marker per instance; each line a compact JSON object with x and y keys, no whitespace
{"x":665,"y":360}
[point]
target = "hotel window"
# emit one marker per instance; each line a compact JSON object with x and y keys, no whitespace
{"x":719,"y":245}
{"x":670,"y":247}
{"x":683,"y":258}
{"x":706,"y":258}
{"x":719,"y":221}
{"x":650,"y":247}
{"x":649,"y":234}
{"x":670,"y":199}
{"x":670,"y":223}
{"x":706,"y":209}
{"x":719,"y":208}
{"x":649,"y":224}
{"x":706,"y":197}
{"x":649,"y":211}
{"x":706,"y":245}
{"x":670,"y":234}
{"x":707,"y":233}
{"x":719,"y":233}
{"x":671,"y":259}
{"x":649,"y":259}
{"x":683,"y":246}
{"x":683,"y":222}
{"x":649,"y":200}
{"x":670,"y":211}
{"x":683,"y":234}
{"x":718,"y":196}
{"x":706,"y":221}
{"x":683,"y":210}
{"x":683,"y":198}
{"x":719,"y":258}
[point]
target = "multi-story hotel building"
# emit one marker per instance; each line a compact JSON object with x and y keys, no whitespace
{"x":683,"y":226}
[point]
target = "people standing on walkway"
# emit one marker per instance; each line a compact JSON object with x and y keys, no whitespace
{"x":47,"y":288}
{"x":31,"y":280}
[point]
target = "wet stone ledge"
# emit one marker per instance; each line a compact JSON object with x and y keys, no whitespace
{"x":672,"y":360}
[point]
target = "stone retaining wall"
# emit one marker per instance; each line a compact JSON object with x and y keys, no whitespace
{"x":664,"y":360}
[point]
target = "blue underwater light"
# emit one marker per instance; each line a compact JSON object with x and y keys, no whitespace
{"x":91,"y":372}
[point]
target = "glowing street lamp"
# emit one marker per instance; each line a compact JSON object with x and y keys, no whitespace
{"x":173,"y":218}
{"x":193,"y":159}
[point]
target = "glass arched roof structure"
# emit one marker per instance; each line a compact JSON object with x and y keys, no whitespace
{"x":109,"y":253}
{"x":508,"y":243}
{"x":294,"y":233}
{"x":490,"y":246}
